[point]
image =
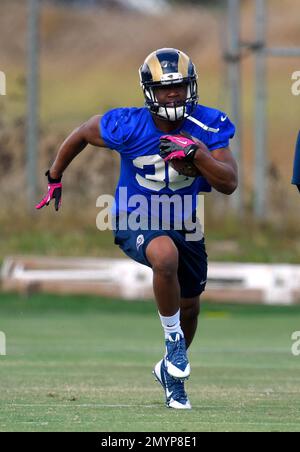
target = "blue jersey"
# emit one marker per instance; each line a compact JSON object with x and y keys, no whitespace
{"x":133,"y":133}
{"x":296,"y":173}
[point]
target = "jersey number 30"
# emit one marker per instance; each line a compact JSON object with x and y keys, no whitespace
{"x":155,"y":177}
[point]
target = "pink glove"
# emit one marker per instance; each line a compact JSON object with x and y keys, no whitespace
{"x":177,"y":147}
{"x":54,"y":192}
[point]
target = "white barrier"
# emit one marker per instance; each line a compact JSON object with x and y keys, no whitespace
{"x":269,"y":284}
{"x":121,"y":277}
{"x":279,"y":284}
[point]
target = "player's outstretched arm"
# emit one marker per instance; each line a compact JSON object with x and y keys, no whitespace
{"x":87,"y":133}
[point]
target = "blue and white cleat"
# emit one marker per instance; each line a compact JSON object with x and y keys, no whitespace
{"x":176,"y":360}
{"x":176,"y":396}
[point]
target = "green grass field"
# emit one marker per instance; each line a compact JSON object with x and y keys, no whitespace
{"x":33,"y":236}
{"x":84,"y":364}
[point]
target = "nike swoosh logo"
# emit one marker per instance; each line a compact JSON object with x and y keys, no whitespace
{"x":182,"y":142}
{"x":169,"y":394}
{"x":223,"y":118}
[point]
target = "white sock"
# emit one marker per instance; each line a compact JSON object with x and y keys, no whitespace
{"x":171,"y":324}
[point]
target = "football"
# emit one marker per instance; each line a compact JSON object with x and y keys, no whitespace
{"x":185,"y":168}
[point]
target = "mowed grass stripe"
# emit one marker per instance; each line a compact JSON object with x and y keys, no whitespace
{"x":84,"y":364}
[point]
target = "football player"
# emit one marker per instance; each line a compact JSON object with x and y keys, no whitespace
{"x":296,"y":173}
{"x":171,"y":125}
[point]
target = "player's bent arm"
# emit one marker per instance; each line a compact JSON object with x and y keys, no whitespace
{"x":218,"y":167}
{"x":87,"y":133}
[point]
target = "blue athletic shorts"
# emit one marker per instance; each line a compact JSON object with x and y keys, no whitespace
{"x":192,"y":270}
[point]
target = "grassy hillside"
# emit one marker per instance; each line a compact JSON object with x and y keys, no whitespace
{"x":89,"y":61}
